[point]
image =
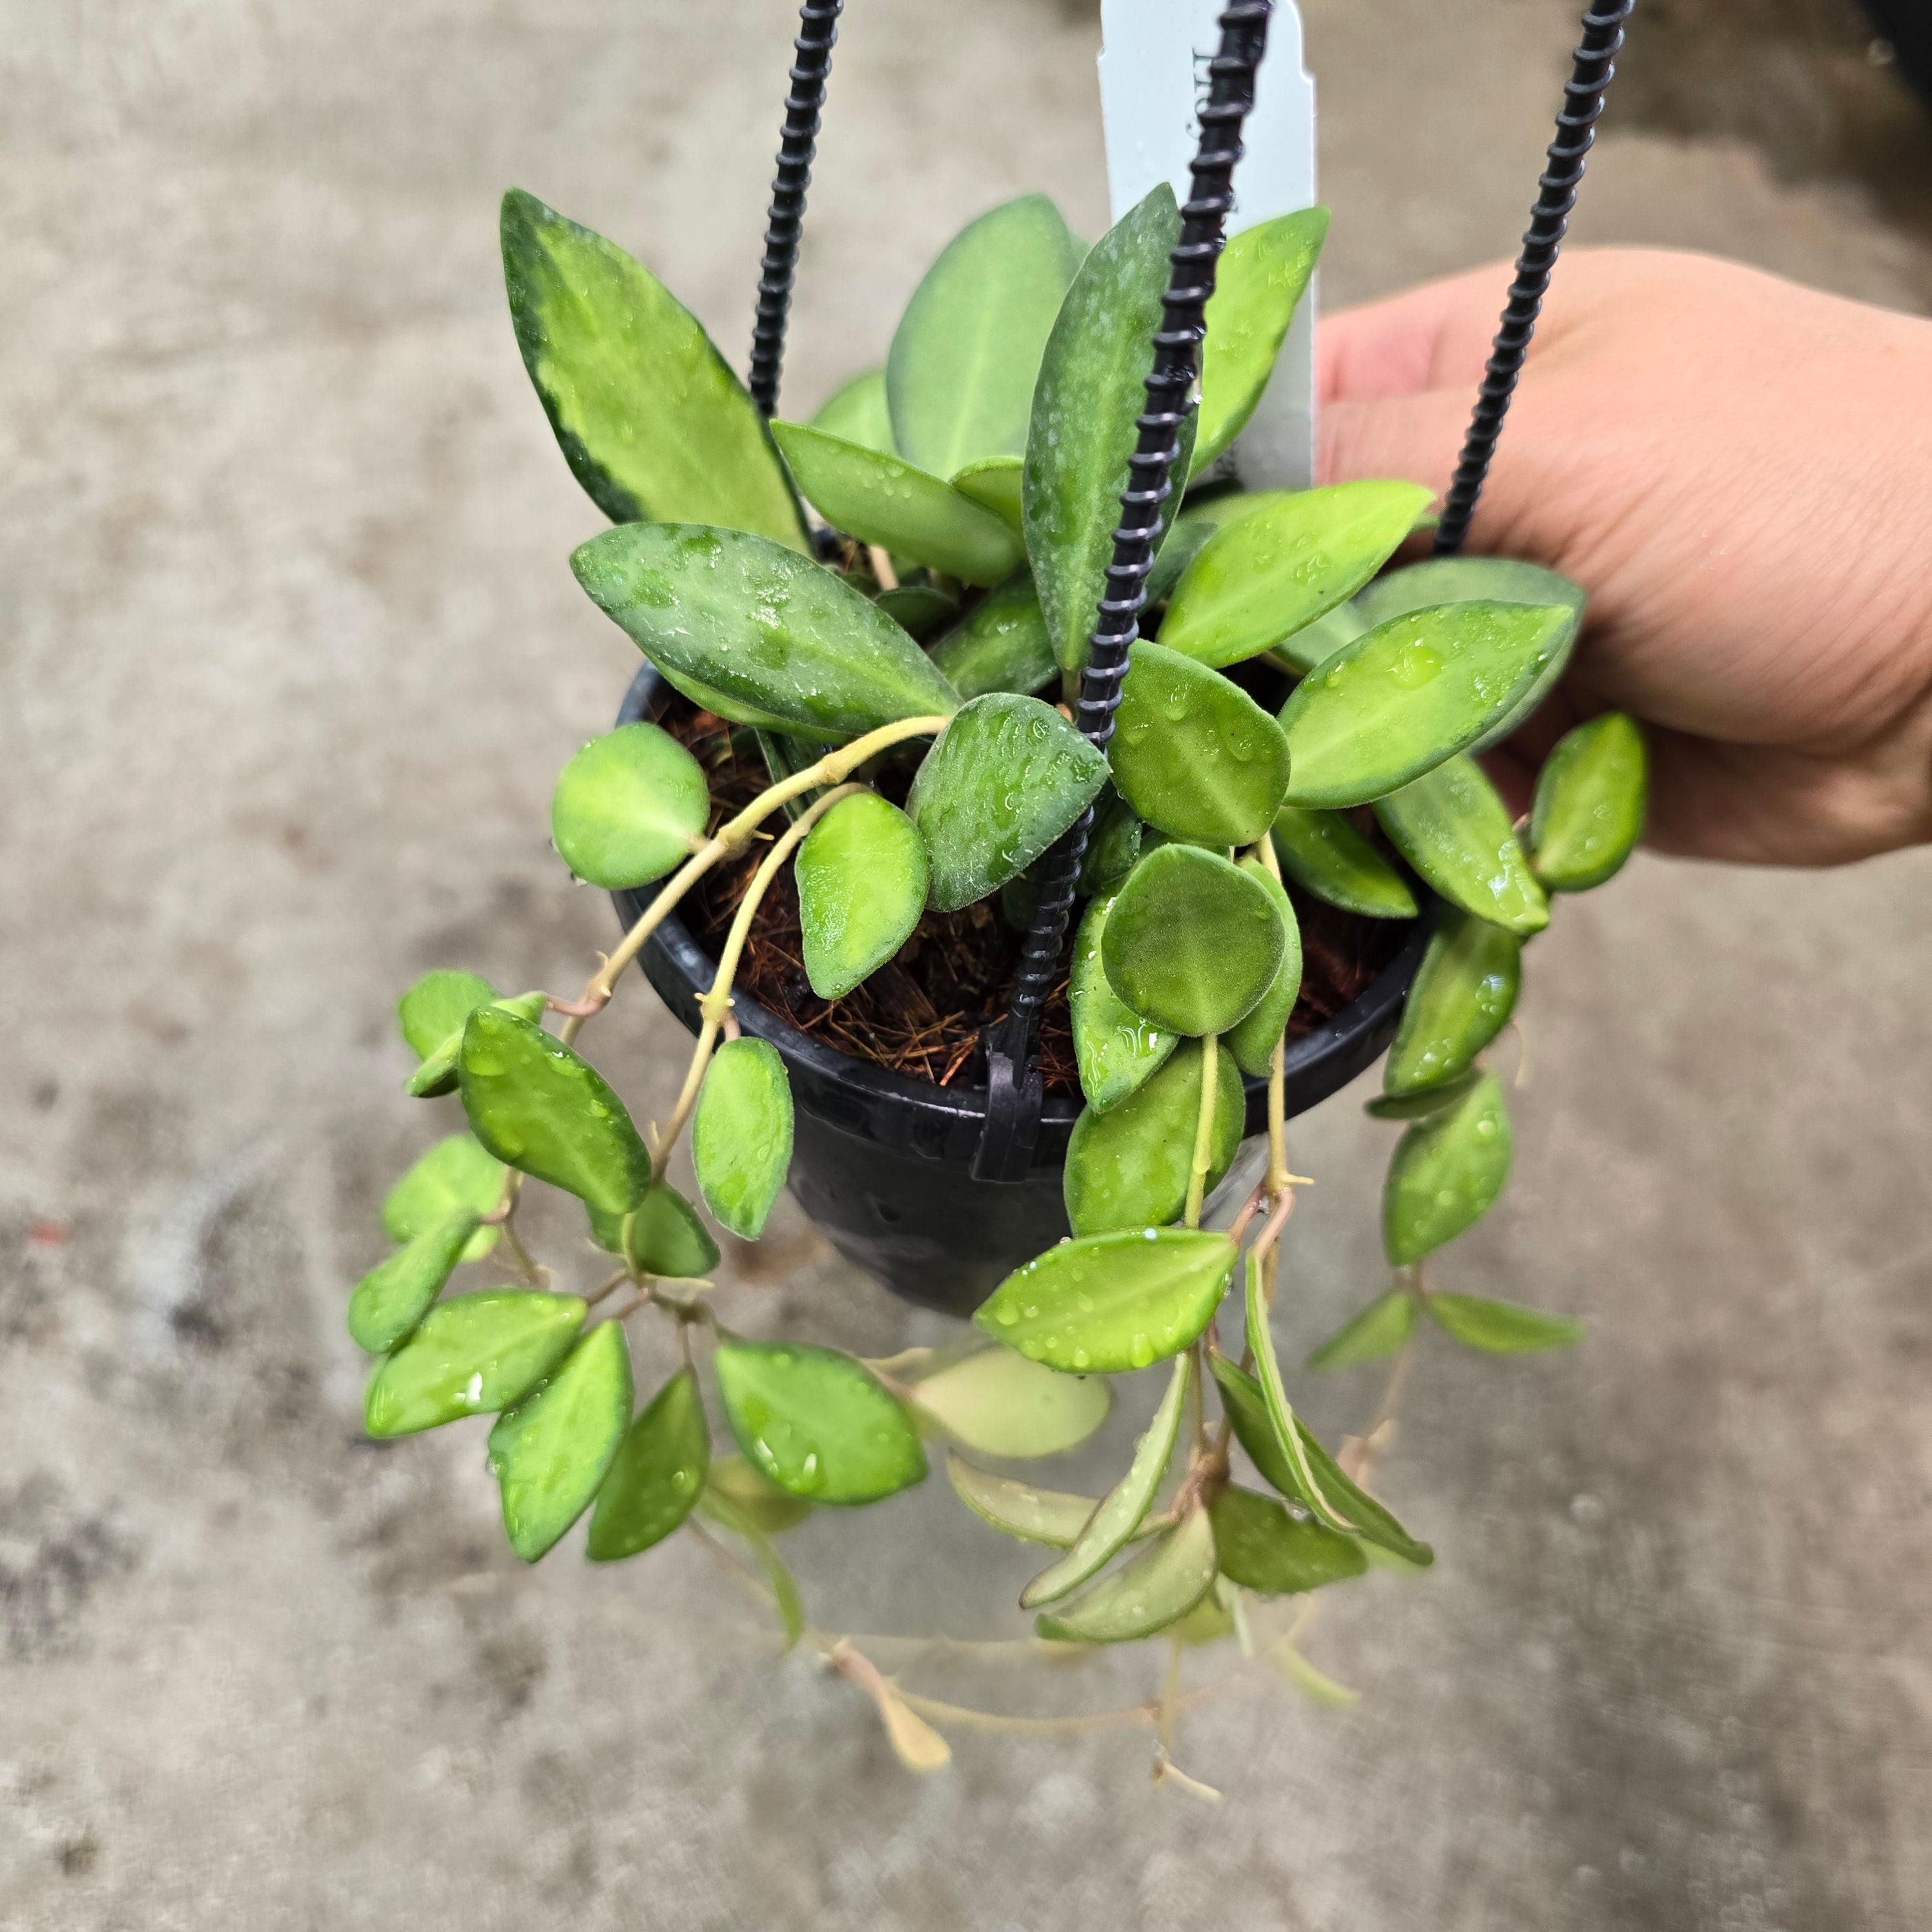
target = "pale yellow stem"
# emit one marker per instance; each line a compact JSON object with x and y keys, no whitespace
{"x":1278,"y":1175}
{"x":1204,"y":1128}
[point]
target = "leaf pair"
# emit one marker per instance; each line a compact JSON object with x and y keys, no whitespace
{"x":432,"y":1015}
{"x":1494,"y":1327}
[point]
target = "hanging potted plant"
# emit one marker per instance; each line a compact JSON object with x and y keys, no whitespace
{"x":989,"y":648}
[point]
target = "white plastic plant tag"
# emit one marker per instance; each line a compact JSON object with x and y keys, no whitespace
{"x":1153,"y":73}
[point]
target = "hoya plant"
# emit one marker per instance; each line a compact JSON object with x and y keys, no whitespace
{"x":888,"y":609}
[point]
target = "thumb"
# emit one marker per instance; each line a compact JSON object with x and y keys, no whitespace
{"x":1415,"y":437}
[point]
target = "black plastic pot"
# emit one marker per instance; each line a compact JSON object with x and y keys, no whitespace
{"x":882,"y":1163}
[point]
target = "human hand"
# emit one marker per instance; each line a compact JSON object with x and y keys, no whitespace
{"x":1739,"y":472}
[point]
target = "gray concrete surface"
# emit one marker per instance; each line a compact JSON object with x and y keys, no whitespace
{"x":291,"y":658}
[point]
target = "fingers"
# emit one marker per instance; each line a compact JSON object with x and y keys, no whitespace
{"x":1416,"y":437}
{"x":1434,"y":337}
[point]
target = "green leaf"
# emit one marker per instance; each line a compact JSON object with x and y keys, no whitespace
{"x":1464,"y":992}
{"x":652,"y":421}
{"x":394,"y":1296}
{"x":1120,"y":1512}
{"x":761,"y":626}
{"x":629,"y":807}
{"x":1128,"y":1168}
{"x":1259,"y":279}
{"x":1092,"y":392}
{"x":1259,"y":1545}
{"x":1424,"y":1101}
{"x":724,"y":1509}
{"x":1323,"y":853}
{"x":1172,"y":1574}
{"x":1378,"y":1331}
{"x":1501,"y":1327}
{"x":1001,"y":644}
{"x":1446,"y":1174}
{"x":1105,"y":1303}
{"x":815,"y":1422}
{"x":1316,"y":643}
{"x":437,"y":1074}
{"x":862,"y":876}
{"x":455,"y":1173}
{"x":741,"y":1134}
{"x":657,"y":1476}
{"x":436,"y":1006}
{"x":856,"y":412}
{"x":1590,"y":799}
{"x":1008,"y":775}
{"x":477,"y":1353}
{"x":1453,"y":829}
{"x":960,"y":375}
{"x":762,"y":1503}
{"x":709,"y":698}
{"x":664,"y":1238}
{"x":1192,"y":942}
{"x":1000,"y":1404}
{"x":1195,"y":754}
{"x":1452,"y":580}
{"x":533,"y":1103}
{"x":1116,"y":1050}
{"x":919,"y":609}
{"x":1019,"y":1510}
{"x":1279,"y":566}
{"x":995,"y":482}
{"x":1287,"y":1431}
{"x":1186,"y":539}
{"x":881,"y":500}
{"x":550,"y":1453}
{"x":1413,"y":692}
{"x":1113,"y":847}
{"x":1247,"y":1411}
{"x":1253,"y":1038}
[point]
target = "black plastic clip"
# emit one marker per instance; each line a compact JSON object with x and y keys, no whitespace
{"x":1015,"y":1095}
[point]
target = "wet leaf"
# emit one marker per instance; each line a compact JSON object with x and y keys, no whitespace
{"x":666,"y":1238}
{"x":1446,"y":1173}
{"x":1424,"y":1101}
{"x":1171,"y":1574}
{"x":1019,"y":1510}
{"x":1258,"y":280}
{"x":550,"y":1454}
{"x":1278,"y":567}
{"x":455,"y":1173}
{"x":1590,"y":799}
{"x":533,"y":1103}
{"x":881,"y":500}
{"x":762,"y":1503}
{"x":1113,"y":847}
{"x":1453,"y":829}
{"x":861,"y":877}
{"x":1411,"y":693}
{"x":1128,"y":1168}
{"x":1000,"y":1404}
{"x":1451,"y":580}
{"x":652,"y":421}
{"x":1091,"y":393}
{"x":1001,"y":644}
{"x":765,"y":630}
{"x":1259,"y":1545}
{"x":815,"y":1422}
{"x":1247,"y":1411}
{"x":1117,"y":1051}
{"x":394,"y":1296}
{"x":470,"y":1355}
{"x":1104,"y":1303}
{"x":1120,"y":1512}
{"x":1501,"y":1327}
{"x":437,"y":1074}
{"x":1286,"y":1429}
{"x":436,"y":1006}
{"x":1186,"y":539}
{"x":629,"y":808}
{"x":709,"y":698}
{"x":724,"y":1509}
{"x":1007,"y":777}
{"x":1195,"y":754}
{"x":1316,"y":643}
{"x":741,"y":1134}
{"x":1379,"y":1331}
{"x":856,"y":412}
{"x":1253,"y":1038}
{"x":1325,"y":855}
{"x":919,"y":609}
{"x":1463,"y":994}
{"x":960,"y":375}
{"x":1192,"y":942}
{"x":994,"y":481}
{"x":657,"y":1476}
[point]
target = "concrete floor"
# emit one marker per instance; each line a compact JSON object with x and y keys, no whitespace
{"x":292,"y":659}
